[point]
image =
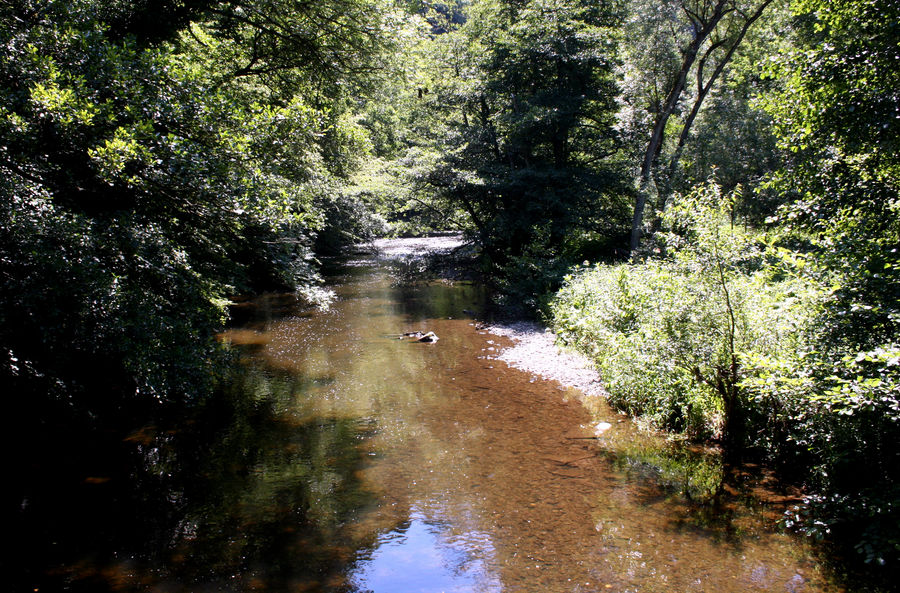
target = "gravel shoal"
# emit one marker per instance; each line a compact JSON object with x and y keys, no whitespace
{"x":416,"y":245}
{"x":535,"y":351}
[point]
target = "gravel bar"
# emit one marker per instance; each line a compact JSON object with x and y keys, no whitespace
{"x":535,"y":351}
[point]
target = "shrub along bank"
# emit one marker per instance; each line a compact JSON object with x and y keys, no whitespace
{"x":726,"y":338}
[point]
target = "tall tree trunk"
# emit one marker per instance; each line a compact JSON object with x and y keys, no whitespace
{"x":704,"y":27}
{"x":703,"y":88}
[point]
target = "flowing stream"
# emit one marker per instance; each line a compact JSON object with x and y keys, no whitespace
{"x":359,"y":460}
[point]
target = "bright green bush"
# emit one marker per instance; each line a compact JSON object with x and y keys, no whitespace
{"x":671,"y":336}
{"x":729,"y":338}
{"x":833,"y":424}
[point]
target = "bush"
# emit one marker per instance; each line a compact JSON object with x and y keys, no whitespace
{"x":671,"y":336}
{"x":732,"y":339}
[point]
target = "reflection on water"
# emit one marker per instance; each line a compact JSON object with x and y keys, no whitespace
{"x":425,"y":556}
{"x":697,"y":475}
{"x":347,"y":459}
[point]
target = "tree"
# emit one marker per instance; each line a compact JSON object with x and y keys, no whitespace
{"x":527,"y":154}
{"x":690,"y":41}
{"x":142,"y":184}
{"x":838,"y":117}
{"x":290,"y":47}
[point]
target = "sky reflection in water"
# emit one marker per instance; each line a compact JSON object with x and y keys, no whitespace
{"x":421,"y":557}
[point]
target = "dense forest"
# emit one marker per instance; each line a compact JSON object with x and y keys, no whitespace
{"x":702,"y":195}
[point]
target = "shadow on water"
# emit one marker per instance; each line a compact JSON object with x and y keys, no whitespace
{"x":247,"y":491}
{"x":236,"y":493}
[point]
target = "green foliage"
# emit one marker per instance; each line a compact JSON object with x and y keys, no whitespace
{"x":677,"y":56}
{"x":733,"y":142}
{"x":529,"y":92}
{"x":349,"y":221}
{"x":800,"y":335}
{"x":284,"y":49}
{"x":845,"y":167}
{"x":835,"y":425}
{"x":838,"y":118}
{"x":647,"y":366}
{"x":670,"y":336}
{"x":732,"y":138}
{"x":144,"y":181}
{"x":730,"y":337}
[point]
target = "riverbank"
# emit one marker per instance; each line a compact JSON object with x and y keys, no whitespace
{"x":694,"y":477}
{"x":536,"y":351}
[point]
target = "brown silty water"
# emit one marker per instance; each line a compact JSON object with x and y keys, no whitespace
{"x":484,"y":478}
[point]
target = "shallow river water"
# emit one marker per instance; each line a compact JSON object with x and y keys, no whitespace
{"x":484,"y":478}
{"x":368,"y":461}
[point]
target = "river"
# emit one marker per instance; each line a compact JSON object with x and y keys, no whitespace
{"x":347,"y":457}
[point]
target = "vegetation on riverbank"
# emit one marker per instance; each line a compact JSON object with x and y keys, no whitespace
{"x":156,"y":160}
{"x":781,"y":341}
{"x":727,"y":339}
